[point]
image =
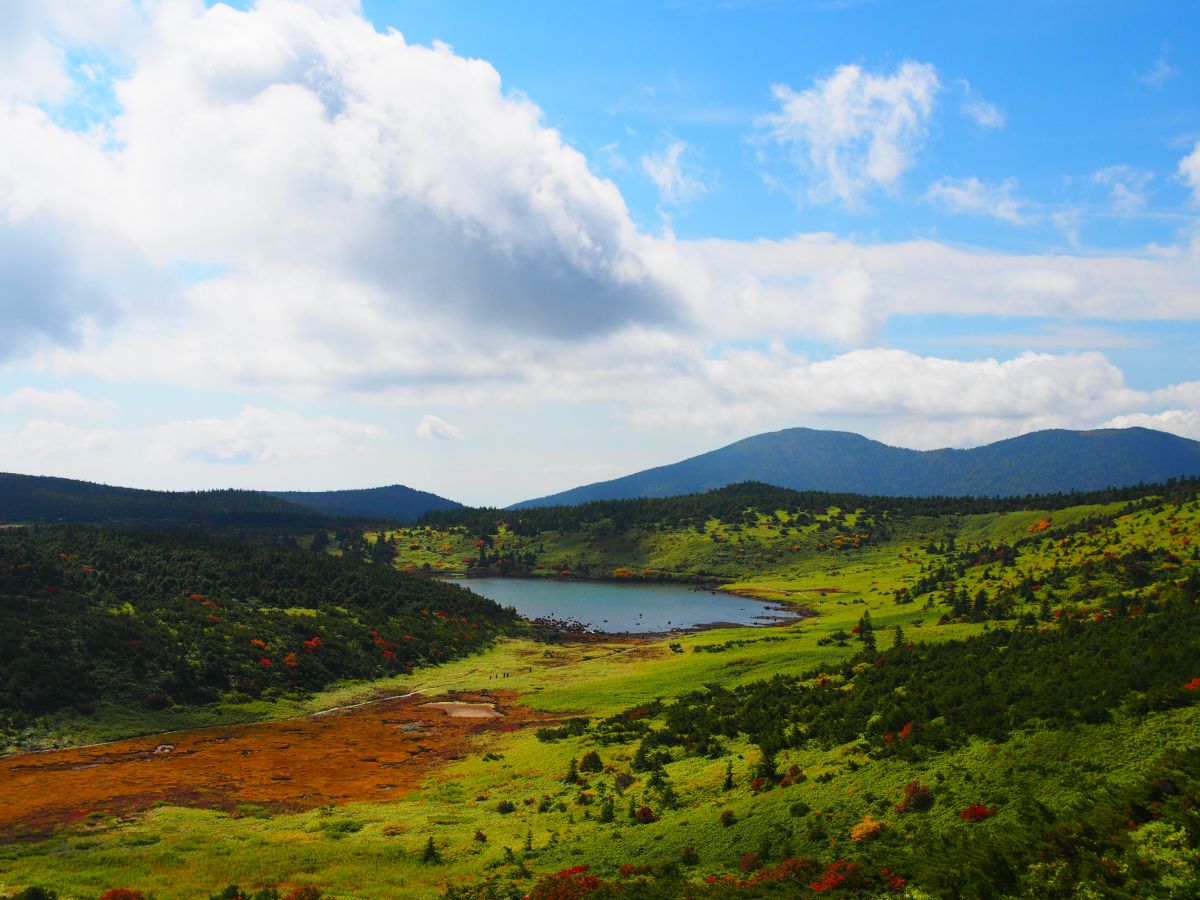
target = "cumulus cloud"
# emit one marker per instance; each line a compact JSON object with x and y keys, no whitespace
{"x":431,"y":428}
{"x":285,"y":136}
{"x":972,"y":196}
{"x":61,"y":404}
{"x":1183,"y":422}
{"x":854,"y":131}
{"x":677,"y":180}
{"x":1126,"y":186}
{"x":1189,"y":171}
{"x":293,"y":203}
{"x":34,"y":38}
{"x":916,"y":401}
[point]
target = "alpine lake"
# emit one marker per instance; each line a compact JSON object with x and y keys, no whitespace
{"x":625,"y":608}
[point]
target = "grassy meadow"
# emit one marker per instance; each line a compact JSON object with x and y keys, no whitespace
{"x":1061,"y":807}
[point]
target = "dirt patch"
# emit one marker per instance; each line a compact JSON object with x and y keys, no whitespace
{"x":459,"y":709}
{"x":375,"y":752}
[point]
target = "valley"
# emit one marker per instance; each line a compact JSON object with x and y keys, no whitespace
{"x":729,"y":762}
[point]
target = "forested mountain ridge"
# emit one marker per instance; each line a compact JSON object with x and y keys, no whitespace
{"x":395,"y":502}
{"x":1043,"y":462}
{"x":37,"y":499}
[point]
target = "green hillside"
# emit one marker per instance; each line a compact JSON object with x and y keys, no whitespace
{"x":35,"y":499}
{"x":395,"y":502}
{"x":93,"y":620}
{"x":989,"y":699}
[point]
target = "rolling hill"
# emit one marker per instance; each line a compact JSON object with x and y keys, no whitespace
{"x":1047,"y":462}
{"x":396,"y":502}
{"x":36,"y":499}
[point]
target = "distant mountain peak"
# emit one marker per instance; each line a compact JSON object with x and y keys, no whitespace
{"x":1043,"y":462}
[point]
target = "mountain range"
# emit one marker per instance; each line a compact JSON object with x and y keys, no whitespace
{"x":41,"y":499}
{"x":1042,"y":462}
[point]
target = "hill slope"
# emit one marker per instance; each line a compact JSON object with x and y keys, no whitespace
{"x":27,"y":499}
{"x":403,"y":504}
{"x":805,"y":459}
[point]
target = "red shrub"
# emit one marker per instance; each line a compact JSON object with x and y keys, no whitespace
{"x":646,"y":816}
{"x":303,"y":892}
{"x":122,"y":894}
{"x":976,"y":812}
{"x":749,"y":862}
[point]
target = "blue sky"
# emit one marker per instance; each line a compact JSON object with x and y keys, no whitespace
{"x":522,"y":247}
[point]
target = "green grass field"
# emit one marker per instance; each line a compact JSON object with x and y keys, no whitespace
{"x":1075,"y":561}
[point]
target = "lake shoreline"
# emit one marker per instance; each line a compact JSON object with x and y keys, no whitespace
{"x":775,"y":614}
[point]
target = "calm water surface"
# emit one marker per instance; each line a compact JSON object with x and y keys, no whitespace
{"x":604,"y":606}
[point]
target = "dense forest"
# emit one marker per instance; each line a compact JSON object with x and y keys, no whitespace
{"x":89,"y":615}
{"x":31,"y":499}
{"x":744,"y":501}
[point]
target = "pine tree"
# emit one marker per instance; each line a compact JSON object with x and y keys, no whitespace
{"x":866,"y":631}
{"x":431,"y":854}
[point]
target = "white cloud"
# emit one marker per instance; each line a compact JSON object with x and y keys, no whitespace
{"x":281,"y":138}
{"x":1189,"y":171}
{"x":382,"y":220}
{"x":677,"y":181}
{"x":60,"y":404}
{"x":970,"y":195}
{"x":34,"y":36}
{"x":854,"y":131}
{"x":916,"y":401}
{"x":257,"y":435}
{"x":1183,"y":422}
{"x":1126,"y":186}
{"x":432,"y":428}
{"x":980,"y":111}
{"x":1160,"y":73}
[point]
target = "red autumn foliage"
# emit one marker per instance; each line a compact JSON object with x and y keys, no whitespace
{"x":976,"y":813}
{"x":303,"y":892}
{"x":1193,"y":685}
{"x":749,"y":862}
{"x":906,"y":731}
{"x":569,"y":884}
{"x":917,"y":798}
{"x":265,"y":662}
{"x":838,"y":875}
{"x":646,"y":816}
{"x":122,"y":894}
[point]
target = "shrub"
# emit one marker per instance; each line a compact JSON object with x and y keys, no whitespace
{"x":645,"y":816}
{"x":917,"y":798}
{"x":976,"y":813}
{"x":122,"y":894}
{"x":504,"y":807}
{"x":727,"y":818}
{"x":866,"y":830}
{"x":303,"y":892}
{"x":591,"y":762}
{"x":749,"y":862}
{"x":690,"y":856}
